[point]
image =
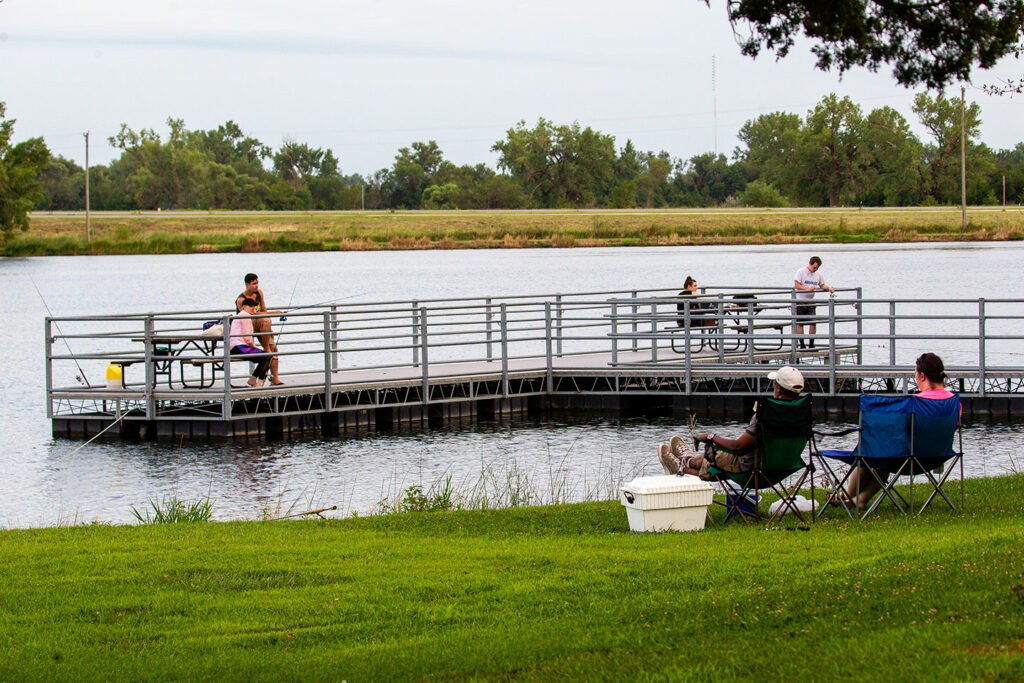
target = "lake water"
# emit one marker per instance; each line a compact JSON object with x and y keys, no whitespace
{"x":46,"y":481}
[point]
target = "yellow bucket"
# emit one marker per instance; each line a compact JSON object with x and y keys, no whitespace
{"x":115,"y":375}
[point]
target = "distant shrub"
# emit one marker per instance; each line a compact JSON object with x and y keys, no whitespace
{"x":762,"y":194}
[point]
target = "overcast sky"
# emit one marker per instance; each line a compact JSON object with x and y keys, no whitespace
{"x":367,"y":78}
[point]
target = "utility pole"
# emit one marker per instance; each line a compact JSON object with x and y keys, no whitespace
{"x":87,"y":226}
{"x":362,"y":196}
{"x":963,"y":165}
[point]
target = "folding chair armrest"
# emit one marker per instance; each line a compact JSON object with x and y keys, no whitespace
{"x":842,"y":432}
{"x":717,"y":447}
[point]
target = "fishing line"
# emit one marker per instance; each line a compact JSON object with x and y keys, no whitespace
{"x":283,"y":319}
{"x":61,"y":333}
{"x":101,"y":432}
{"x":988,"y":352}
{"x":322,"y":303}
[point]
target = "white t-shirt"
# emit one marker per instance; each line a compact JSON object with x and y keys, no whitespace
{"x":808,"y":279}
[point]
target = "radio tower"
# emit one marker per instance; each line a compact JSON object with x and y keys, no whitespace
{"x":714,"y":103}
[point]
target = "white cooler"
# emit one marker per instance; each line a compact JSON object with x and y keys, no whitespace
{"x":666,"y":503}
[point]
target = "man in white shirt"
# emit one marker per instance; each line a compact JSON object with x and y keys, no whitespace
{"x":807,"y":281}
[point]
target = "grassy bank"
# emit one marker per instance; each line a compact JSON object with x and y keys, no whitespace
{"x":536,"y":593}
{"x":202,"y":232}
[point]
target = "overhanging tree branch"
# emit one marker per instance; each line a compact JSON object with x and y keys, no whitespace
{"x":929,"y":42}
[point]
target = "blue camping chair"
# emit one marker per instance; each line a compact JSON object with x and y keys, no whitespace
{"x":901,"y":436}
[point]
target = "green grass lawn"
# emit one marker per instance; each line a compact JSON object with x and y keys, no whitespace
{"x":561,"y":592}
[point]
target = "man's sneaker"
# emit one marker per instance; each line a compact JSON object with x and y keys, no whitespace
{"x":668,"y":461}
{"x":680,"y":449}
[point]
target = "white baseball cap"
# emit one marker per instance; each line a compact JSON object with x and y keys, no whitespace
{"x":789,"y":378}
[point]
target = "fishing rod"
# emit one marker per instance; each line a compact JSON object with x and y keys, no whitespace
{"x":322,"y":303}
{"x":61,"y":333}
{"x":290,"y":299}
{"x":308,"y":512}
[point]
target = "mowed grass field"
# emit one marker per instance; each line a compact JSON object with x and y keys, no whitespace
{"x":550,"y":593}
{"x":205,"y":232}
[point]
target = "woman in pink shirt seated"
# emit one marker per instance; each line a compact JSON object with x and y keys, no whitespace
{"x":242,"y":344}
{"x":931,"y":383}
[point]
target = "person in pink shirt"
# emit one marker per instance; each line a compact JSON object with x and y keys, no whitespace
{"x":930,"y":374}
{"x":242,"y":343}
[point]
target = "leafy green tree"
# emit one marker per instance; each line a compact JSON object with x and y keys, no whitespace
{"x":1009,"y":165}
{"x":228,"y":145}
{"x":444,"y":196}
{"x":893,"y":160}
{"x":933,"y":42}
{"x":157,"y":174}
{"x":414,"y":169}
{"x":312,"y":173}
{"x":485,"y":189}
{"x":558,"y":165}
{"x":771,"y":147}
{"x":941,"y":117}
{"x":710,"y":179}
{"x":20,"y":166}
{"x":653,"y":188}
{"x":623,"y":195}
{"x":106,"y":193}
{"x":63,"y":185}
{"x":627,"y":169}
{"x":829,"y":154}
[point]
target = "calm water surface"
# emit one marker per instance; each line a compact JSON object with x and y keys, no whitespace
{"x":46,"y":481}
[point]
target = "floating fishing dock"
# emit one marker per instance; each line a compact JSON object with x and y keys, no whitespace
{"x":351,"y":367}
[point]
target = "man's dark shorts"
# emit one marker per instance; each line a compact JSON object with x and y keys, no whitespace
{"x":805,"y":310}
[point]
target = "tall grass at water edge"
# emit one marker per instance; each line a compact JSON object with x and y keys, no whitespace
{"x":173,"y":510}
{"x":505,"y":483}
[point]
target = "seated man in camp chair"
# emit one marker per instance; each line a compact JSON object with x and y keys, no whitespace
{"x":733,"y":455}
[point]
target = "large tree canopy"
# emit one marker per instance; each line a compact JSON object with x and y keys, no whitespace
{"x":835,"y":155}
{"x":20,"y":166}
{"x":930,"y":42}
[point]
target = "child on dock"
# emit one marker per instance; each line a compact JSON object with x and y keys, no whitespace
{"x":242,"y":344}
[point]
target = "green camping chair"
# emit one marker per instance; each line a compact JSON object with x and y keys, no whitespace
{"x":783,"y":432}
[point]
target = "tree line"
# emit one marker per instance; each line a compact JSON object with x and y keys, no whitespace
{"x":835,"y":155}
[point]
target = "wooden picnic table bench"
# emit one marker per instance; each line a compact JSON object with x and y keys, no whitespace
{"x":217,"y":363}
{"x":168,"y":350}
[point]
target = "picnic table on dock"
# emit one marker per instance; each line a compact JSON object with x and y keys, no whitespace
{"x":181,"y":351}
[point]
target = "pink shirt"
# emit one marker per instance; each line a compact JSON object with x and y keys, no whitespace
{"x":937,"y":395}
{"x":933,"y":394}
{"x":241,"y":325}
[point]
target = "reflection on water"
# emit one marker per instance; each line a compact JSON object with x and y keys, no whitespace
{"x":45,"y":481}
{"x":549,"y":460}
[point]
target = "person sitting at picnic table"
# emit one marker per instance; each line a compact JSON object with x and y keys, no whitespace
{"x":261,"y":325}
{"x":676,"y":457}
{"x":698,"y":310}
{"x":242,"y":344}
{"x":861,"y":487}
